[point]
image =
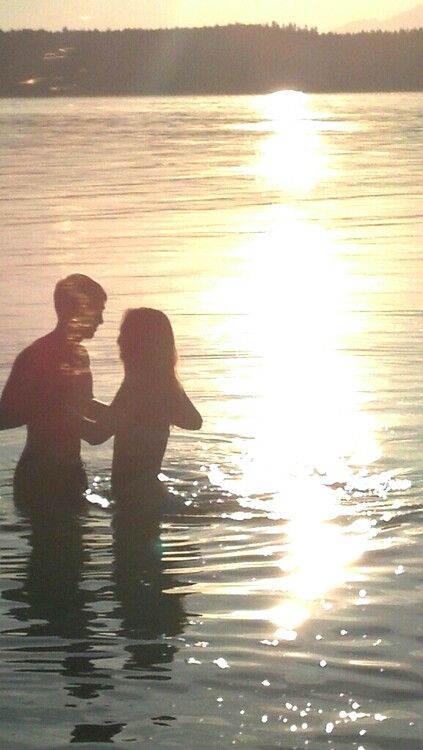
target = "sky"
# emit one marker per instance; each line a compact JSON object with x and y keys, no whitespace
{"x":115,"y":14}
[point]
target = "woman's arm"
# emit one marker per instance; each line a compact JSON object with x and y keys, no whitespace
{"x":184,"y":413}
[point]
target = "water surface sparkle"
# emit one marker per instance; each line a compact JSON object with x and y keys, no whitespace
{"x":281,"y":606}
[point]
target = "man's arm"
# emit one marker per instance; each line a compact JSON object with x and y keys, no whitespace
{"x":14,"y":399}
{"x":97,"y":432}
{"x":95,"y":410}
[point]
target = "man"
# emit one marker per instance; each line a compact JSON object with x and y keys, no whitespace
{"x":50,"y":379}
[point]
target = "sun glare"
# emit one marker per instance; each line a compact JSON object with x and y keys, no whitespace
{"x":291,"y":156}
{"x":307,"y":427}
{"x":299,"y":407}
{"x":307,"y":404}
{"x":306,"y":420}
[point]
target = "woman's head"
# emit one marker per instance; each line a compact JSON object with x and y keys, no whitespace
{"x":147,"y":343}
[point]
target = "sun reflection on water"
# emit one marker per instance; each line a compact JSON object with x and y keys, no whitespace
{"x":322,"y":541}
{"x":307,"y":405}
{"x":291,"y":157}
{"x":305,"y":430}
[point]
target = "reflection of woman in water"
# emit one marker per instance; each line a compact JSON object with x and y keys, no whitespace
{"x":149,"y":400}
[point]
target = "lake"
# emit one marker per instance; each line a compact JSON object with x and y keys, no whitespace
{"x":281,"y":608}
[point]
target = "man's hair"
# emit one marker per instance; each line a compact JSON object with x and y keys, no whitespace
{"x":71,"y":293}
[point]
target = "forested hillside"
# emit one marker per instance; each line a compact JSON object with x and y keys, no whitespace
{"x":214,"y":60}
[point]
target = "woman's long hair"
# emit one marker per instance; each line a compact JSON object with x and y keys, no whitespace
{"x":147,"y":348}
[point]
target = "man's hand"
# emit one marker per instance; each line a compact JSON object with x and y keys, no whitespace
{"x":95,"y":410}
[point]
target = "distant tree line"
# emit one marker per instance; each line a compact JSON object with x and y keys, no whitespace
{"x":233,"y":59}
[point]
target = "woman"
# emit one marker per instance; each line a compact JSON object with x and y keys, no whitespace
{"x":149,"y":400}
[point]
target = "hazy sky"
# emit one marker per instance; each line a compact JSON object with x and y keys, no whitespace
{"x":325,"y":14}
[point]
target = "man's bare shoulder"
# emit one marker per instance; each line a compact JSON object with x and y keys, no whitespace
{"x":38,"y":349}
{"x":50,"y":358}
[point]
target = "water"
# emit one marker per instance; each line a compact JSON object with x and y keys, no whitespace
{"x":282,"y":607}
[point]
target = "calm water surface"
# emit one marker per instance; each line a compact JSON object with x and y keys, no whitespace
{"x":282,"y":606}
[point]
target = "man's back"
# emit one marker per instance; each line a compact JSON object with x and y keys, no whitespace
{"x":47,"y":377}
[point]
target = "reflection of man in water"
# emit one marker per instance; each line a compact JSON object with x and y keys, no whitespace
{"x":47,"y":378}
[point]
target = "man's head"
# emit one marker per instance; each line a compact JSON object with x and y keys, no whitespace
{"x":79,"y":303}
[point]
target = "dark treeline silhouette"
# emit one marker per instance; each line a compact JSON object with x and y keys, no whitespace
{"x":231,"y":59}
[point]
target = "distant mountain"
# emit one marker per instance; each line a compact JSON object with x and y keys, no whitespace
{"x":410,"y":19}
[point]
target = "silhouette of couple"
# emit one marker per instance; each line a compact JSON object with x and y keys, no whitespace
{"x":50,"y":390}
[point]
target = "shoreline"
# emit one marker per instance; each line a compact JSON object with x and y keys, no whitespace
{"x":208,"y":94}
